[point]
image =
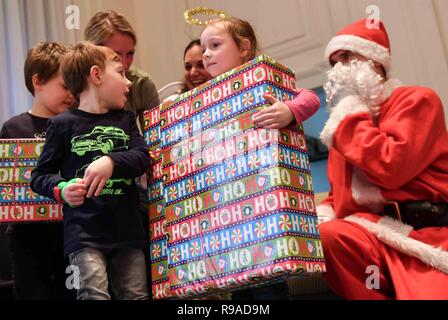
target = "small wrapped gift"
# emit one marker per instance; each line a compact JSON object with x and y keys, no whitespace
{"x":18,"y":203}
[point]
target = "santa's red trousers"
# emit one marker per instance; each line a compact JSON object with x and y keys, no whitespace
{"x":349,"y":250}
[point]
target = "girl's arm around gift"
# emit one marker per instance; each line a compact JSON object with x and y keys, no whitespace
{"x":282,"y":114}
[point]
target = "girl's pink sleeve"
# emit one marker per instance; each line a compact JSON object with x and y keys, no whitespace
{"x":304,"y":105}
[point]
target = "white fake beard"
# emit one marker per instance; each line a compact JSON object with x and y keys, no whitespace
{"x":355,"y":78}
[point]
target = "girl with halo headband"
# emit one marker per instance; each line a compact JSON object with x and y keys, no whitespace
{"x":227,"y":43}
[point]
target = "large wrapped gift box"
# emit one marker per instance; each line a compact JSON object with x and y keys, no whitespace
{"x":18,"y":203}
{"x":157,"y":221}
{"x":238,"y":205}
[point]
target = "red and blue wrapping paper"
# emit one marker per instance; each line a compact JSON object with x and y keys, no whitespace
{"x":158,"y":238}
{"x":18,"y":203}
{"x":238,"y":200}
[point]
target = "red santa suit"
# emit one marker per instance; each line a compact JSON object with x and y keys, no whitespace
{"x":402,"y":156}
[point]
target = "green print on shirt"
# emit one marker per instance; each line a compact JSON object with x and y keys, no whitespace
{"x":105,"y":139}
{"x":109,"y":183}
{"x":107,"y":190}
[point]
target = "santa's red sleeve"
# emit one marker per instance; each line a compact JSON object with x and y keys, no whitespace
{"x":400,"y":147}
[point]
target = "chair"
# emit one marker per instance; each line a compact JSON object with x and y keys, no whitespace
{"x":170,"y":89}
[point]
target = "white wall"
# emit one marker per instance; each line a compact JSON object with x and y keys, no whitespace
{"x":293,"y":31}
{"x":296,"y":32}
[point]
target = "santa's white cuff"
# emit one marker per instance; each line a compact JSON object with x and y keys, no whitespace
{"x":397,"y":235}
{"x":347,"y":106}
{"x":325,"y":213}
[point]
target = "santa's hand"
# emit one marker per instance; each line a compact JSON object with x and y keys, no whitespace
{"x":357,"y":78}
{"x":276,"y":116}
{"x":338,"y":93}
{"x":340,"y":85}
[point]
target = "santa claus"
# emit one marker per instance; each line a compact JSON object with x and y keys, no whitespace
{"x":384,"y":225}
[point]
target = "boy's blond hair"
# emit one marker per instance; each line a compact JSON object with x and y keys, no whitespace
{"x":44,"y":59}
{"x":105,"y":24}
{"x":76,"y":65}
{"x":239,"y":30}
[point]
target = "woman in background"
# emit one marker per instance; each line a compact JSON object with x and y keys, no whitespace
{"x":194,"y":70}
{"x":111,"y":29}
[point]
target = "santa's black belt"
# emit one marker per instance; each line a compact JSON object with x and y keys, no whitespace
{"x":419,"y":214}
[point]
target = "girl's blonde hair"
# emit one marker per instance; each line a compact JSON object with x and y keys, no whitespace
{"x":239,"y":30}
{"x":106,"y":23}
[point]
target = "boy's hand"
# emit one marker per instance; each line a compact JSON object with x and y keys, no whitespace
{"x":277,"y":116}
{"x":96,"y":175}
{"x":74,"y":193}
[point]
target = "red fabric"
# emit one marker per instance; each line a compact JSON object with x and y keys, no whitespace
{"x":349,"y":249}
{"x":359,"y":29}
{"x":406,"y":156}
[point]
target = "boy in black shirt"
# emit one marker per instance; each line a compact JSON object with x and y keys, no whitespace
{"x":38,"y":263}
{"x":90,"y":159}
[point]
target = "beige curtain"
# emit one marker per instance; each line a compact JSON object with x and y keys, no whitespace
{"x":23,"y":23}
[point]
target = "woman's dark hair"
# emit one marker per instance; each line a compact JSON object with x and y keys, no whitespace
{"x":193,"y":43}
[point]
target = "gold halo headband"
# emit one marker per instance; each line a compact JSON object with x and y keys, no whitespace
{"x":188,"y":15}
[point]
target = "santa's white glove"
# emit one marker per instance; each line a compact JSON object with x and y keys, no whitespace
{"x":325,"y":213}
{"x":338,"y":92}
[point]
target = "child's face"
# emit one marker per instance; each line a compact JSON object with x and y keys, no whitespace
{"x":221,"y":53}
{"x":114,"y":87}
{"x":54,"y":96}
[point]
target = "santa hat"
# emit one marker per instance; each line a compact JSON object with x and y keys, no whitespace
{"x":366,"y":39}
